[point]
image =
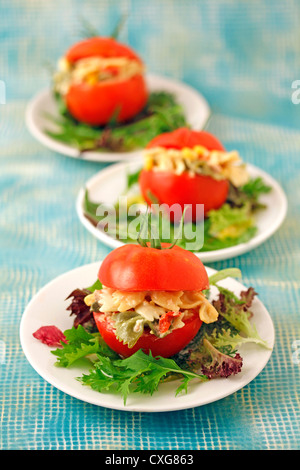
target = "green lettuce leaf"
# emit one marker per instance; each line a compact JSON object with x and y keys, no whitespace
{"x":80,"y":344}
{"x":238,"y":314}
{"x":161,"y":114}
{"x":138,"y":373}
{"x":249,"y":194}
{"x":230,"y":222}
{"x":224,"y":274}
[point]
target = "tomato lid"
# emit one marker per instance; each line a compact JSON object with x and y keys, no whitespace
{"x":137,"y":268}
{"x":184,"y":137}
{"x":100,"y":47}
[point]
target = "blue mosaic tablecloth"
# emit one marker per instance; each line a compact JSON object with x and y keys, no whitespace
{"x":243,"y":56}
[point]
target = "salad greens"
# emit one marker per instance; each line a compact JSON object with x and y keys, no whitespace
{"x":228,"y":226}
{"x":161,"y":114}
{"x":140,"y":372}
{"x":211,"y":354}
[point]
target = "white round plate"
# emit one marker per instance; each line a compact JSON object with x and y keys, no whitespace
{"x":102,"y":188}
{"x":195,"y":107}
{"x":48,"y":307}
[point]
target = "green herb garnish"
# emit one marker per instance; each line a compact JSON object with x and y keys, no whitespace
{"x":138,"y":373}
{"x":161,"y":114}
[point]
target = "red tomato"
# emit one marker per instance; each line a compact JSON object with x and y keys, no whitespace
{"x":170,"y":188}
{"x":184,"y":137}
{"x":95,"y":104}
{"x":184,"y":189}
{"x":166,"y":347}
{"x":100,"y":47}
{"x":136,"y":268}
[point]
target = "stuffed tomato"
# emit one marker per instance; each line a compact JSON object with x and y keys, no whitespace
{"x":189,"y":168}
{"x":151,"y":299}
{"x":101,"y":79}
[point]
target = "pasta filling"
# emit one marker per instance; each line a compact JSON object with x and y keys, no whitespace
{"x":198,"y":160}
{"x":93,"y":70}
{"x":161,"y":312}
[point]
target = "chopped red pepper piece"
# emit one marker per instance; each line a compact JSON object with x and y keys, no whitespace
{"x":165,"y":321}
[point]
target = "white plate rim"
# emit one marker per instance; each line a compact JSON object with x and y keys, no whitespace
{"x":206,"y":256}
{"x":67,"y":150}
{"x":143,"y":403}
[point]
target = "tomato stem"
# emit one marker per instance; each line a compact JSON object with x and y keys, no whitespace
{"x":155,"y":241}
{"x":116,"y":32}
